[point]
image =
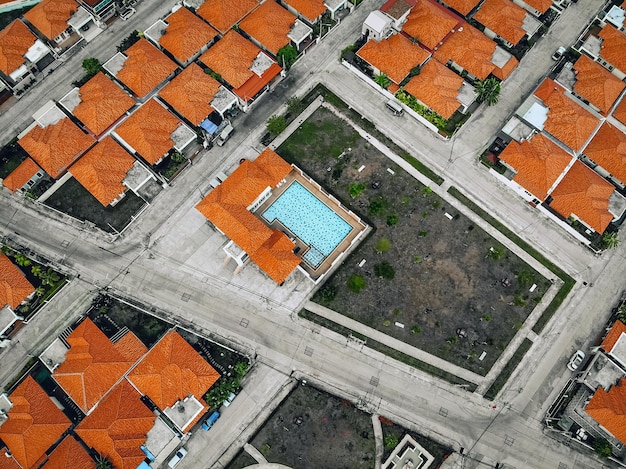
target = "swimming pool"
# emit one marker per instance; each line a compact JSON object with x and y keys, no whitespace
{"x":309,"y":219}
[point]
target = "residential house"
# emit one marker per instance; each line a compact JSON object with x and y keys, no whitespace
{"x":430,"y":24}
{"x":596,"y":85}
{"x":175,"y":377}
{"x":614,"y":343}
{"x":195,"y":95}
{"x":103,"y":171}
{"x":463,"y":7}
{"x":34,"y":423}
{"x":15,"y":290}
{"x":536,"y":7}
{"x":227,"y":207}
{"x":506,"y":21}
{"x":272,"y":27}
{"x":141,"y":68}
{"x":24,"y":177}
{"x":152,"y":132}
{"x":182,"y":34}
{"x":69,"y":454}
{"x":224,"y":14}
{"x":440,"y":89}
{"x":398,"y":10}
{"x":50,"y":19}
{"x":608,"y":408}
{"x":607,"y":48}
{"x":395,"y":57}
{"x":54,"y":141}
{"x":100,"y":10}
{"x":310,"y":11}
{"x":619,"y":113}
{"x":247,"y":69}
{"x":22,"y":56}
{"x":7,"y":461}
{"x":377,"y":26}
{"x":335,"y":6}
{"x":608,"y":149}
{"x":99,"y":104}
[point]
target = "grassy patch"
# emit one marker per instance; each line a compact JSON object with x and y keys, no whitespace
{"x":508,"y":369}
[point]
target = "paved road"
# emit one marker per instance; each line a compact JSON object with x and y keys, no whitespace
{"x":171,"y":252}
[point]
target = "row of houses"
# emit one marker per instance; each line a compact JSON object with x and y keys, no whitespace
{"x":15,"y":290}
{"x":126,"y":403}
{"x":564,"y":148}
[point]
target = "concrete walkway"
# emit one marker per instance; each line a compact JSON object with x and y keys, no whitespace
{"x":380,"y":443}
{"x":255,"y":453}
{"x":291,"y":128}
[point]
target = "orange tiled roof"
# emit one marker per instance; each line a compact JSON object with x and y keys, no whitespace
{"x":50,"y":16}
{"x":609,"y":409}
{"x":585,"y":194}
{"x":21,"y":175}
{"x":608,"y":149}
{"x":620,"y":111}
{"x":224,"y":14}
{"x":470,"y":49}
{"x":430,"y":23}
{"x":185,"y":34}
{"x":226,"y":207}
{"x":503,"y":17}
{"x":613,"y":336}
{"x":310,"y":9}
{"x":613,"y":47}
{"x":171,"y":371}
{"x":504,"y":72}
{"x":14,"y":286}
{"x":56,"y":146}
{"x":102,"y":103}
{"x":395,"y":56}
{"x":462,"y":6}
{"x":145,"y":67}
{"x":596,"y":84}
{"x":6,"y":460}
{"x":231,"y":57}
{"x":567,"y":120}
{"x":539,"y":162}
{"x":269,"y":25}
{"x":191,"y":93}
{"x":93,"y":364}
{"x":539,"y":5}
{"x":118,"y":427}
{"x":15,"y":40}
{"x":70,"y":454}
{"x":102,"y":169}
{"x":437,"y":87}
{"x":256,"y":83}
{"x":34,"y":424}
{"x":149,"y":131}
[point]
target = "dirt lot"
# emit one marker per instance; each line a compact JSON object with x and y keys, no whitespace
{"x":455,"y":290}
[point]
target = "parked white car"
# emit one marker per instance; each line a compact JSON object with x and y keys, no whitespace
{"x":576,"y":360}
{"x":180,"y":454}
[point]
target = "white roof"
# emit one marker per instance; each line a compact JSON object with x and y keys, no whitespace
{"x":615,"y":16}
{"x":377,"y":21}
{"x":537,"y":115}
{"x":37,"y":51}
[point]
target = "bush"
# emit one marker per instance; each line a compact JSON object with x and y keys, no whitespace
{"x":391,"y":441}
{"x":377,"y":206}
{"x":328,"y":293}
{"x":392,"y":219}
{"x":383,"y":245}
{"x":355,"y":189}
{"x":294,"y":105}
{"x":602,"y":447}
{"x":356,"y":283}
{"x":287,"y":56}
{"x":384,"y":270}
{"x":416,"y":329}
{"x":276,"y":125}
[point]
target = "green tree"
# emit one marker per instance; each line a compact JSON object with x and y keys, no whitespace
{"x":276,"y":124}
{"x":355,"y":189}
{"x":383,"y":245}
{"x":177,"y":157}
{"x":356,"y":283}
{"x":49,"y":277}
{"x":602,"y":447}
{"x":382,"y":80}
{"x":91,"y":66}
{"x":287,"y":56}
{"x":377,"y":205}
{"x":391,"y":441}
{"x":103,"y":462}
{"x":488,"y":91}
{"x":327,"y":293}
{"x":384,"y":270}
{"x":36,"y":270}
{"x":39,"y":291}
{"x":294,"y":105}
{"x":22,"y":260}
{"x":392,"y":219}
{"x":610,"y":240}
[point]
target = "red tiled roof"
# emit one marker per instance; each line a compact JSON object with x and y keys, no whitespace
{"x":34,"y":424}
{"x":504,"y":72}
{"x":102,"y":169}
{"x":613,"y":336}
{"x":256,"y":83}
{"x":93,"y":364}
{"x":226,"y":207}
{"x":70,"y":454}
{"x":21,"y":175}
{"x":102,"y":102}
{"x":608,"y":149}
{"x":430,"y":23}
{"x":6,"y":460}
{"x":539,"y":5}
{"x":191,"y":93}
{"x":185,"y":34}
{"x":224,"y":14}
{"x":609,"y":409}
{"x":585,"y":194}
{"x":50,"y":16}
{"x":231,"y":57}
{"x":395,"y":56}
{"x":567,"y":120}
{"x":149,"y":131}
{"x":613,"y":47}
{"x":118,"y":427}
{"x":145,"y":68}
{"x":437,"y":87}
{"x":269,"y":25}
{"x":15,"y":40}
{"x":596,"y":84}
{"x":504,"y":18}
{"x":620,"y":111}
{"x":539,"y":162}
{"x":310,"y":9}
{"x":171,"y":371}
{"x":470,"y":49}
{"x":14,"y":287}
{"x":462,"y":6}
{"x":56,"y":146}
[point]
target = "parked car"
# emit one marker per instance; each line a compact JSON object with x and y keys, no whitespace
{"x":576,"y":360}
{"x":229,"y":399}
{"x":180,"y":454}
{"x":211,"y":419}
{"x":127,"y":13}
{"x":558,"y":53}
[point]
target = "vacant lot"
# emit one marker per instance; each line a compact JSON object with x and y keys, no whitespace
{"x":428,"y":275}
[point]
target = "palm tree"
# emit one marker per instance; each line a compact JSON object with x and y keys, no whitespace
{"x":49,"y":277}
{"x":103,"y":462}
{"x":36,"y":270}
{"x":610,"y":240}
{"x":22,"y":260}
{"x":488,"y":91}
{"x":382,"y":80}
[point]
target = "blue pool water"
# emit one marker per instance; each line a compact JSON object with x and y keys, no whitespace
{"x":310,"y":220}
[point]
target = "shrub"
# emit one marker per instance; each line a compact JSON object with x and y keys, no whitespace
{"x":525,"y":278}
{"x":287,"y":56}
{"x":294,"y":105}
{"x":328,"y":293}
{"x":377,"y":206}
{"x":392,"y":219}
{"x":276,"y":124}
{"x":356,"y":283}
{"x":423,"y":234}
{"x":416,"y":329}
{"x":355,"y":189}
{"x":391,"y":441}
{"x":384,"y":270}
{"x":602,"y":447}
{"x":383,"y":245}
{"x":486,"y":317}
{"x":519,"y":300}
{"x":495,"y":253}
